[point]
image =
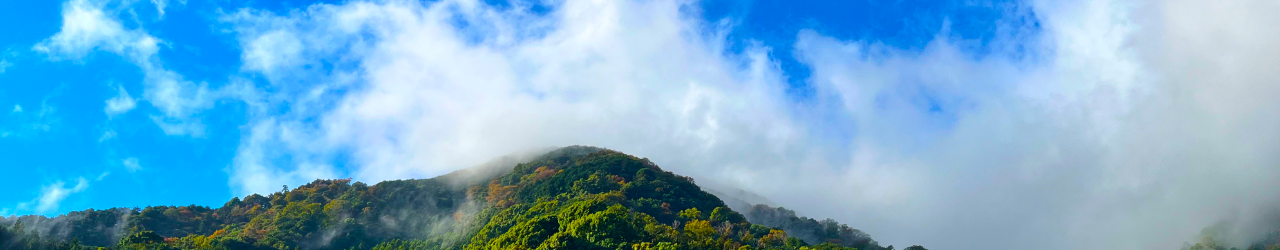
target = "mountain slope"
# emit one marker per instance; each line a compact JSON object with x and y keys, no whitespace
{"x":571,"y":198}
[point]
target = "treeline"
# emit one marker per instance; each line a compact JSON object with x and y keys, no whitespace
{"x":90,"y":227}
{"x":811,"y":230}
{"x":1208,"y":243}
{"x":572,"y":198}
{"x":1209,"y":240}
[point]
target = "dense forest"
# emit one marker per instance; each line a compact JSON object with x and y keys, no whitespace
{"x":571,"y":198}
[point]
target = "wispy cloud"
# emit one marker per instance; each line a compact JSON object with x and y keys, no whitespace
{"x":121,"y":103}
{"x":107,"y":135}
{"x":52,"y":195}
{"x":190,"y":127}
{"x":131,"y":164}
{"x":23,"y":123}
{"x":88,"y":27}
{"x":160,"y":5}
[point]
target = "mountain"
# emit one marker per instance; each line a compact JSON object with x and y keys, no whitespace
{"x":570,"y":198}
{"x":735,"y":198}
{"x":759,"y":211}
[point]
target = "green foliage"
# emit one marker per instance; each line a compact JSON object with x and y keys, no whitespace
{"x":397,"y":244}
{"x":597,"y":183}
{"x":17,"y":237}
{"x":691,"y":214}
{"x":719,"y":214}
{"x":700,"y":229}
{"x":142,"y":237}
{"x":811,"y":230}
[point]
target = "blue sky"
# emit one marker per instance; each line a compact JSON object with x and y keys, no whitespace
{"x":948,"y":123}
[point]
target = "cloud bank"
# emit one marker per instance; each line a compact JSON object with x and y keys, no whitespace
{"x":1102,"y":124}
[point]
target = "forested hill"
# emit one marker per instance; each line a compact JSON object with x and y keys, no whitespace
{"x":571,"y":198}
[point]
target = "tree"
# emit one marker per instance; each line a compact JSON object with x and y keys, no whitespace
{"x":691,"y":214}
{"x":719,"y":214}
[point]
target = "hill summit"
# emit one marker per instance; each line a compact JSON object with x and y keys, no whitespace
{"x":574,"y":197}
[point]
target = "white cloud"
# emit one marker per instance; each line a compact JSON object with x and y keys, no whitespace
{"x":1114,"y":117}
{"x":45,"y":118}
{"x":272,"y":51}
{"x":252,"y":170}
{"x":107,"y":135}
{"x":120,"y":104}
{"x":192,"y":128}
{"x":131,"y":164}
{"x":431,"y":100}
{"x":53,"y":194}
{"x":160,"y":4}
{"x":88,"y":27}
{"x":4,"y":64}
{"x":1110,"y":131}
{"x":21,"y":123}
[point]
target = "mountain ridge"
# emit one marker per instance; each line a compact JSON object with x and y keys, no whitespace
{"x":574,"y":197}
